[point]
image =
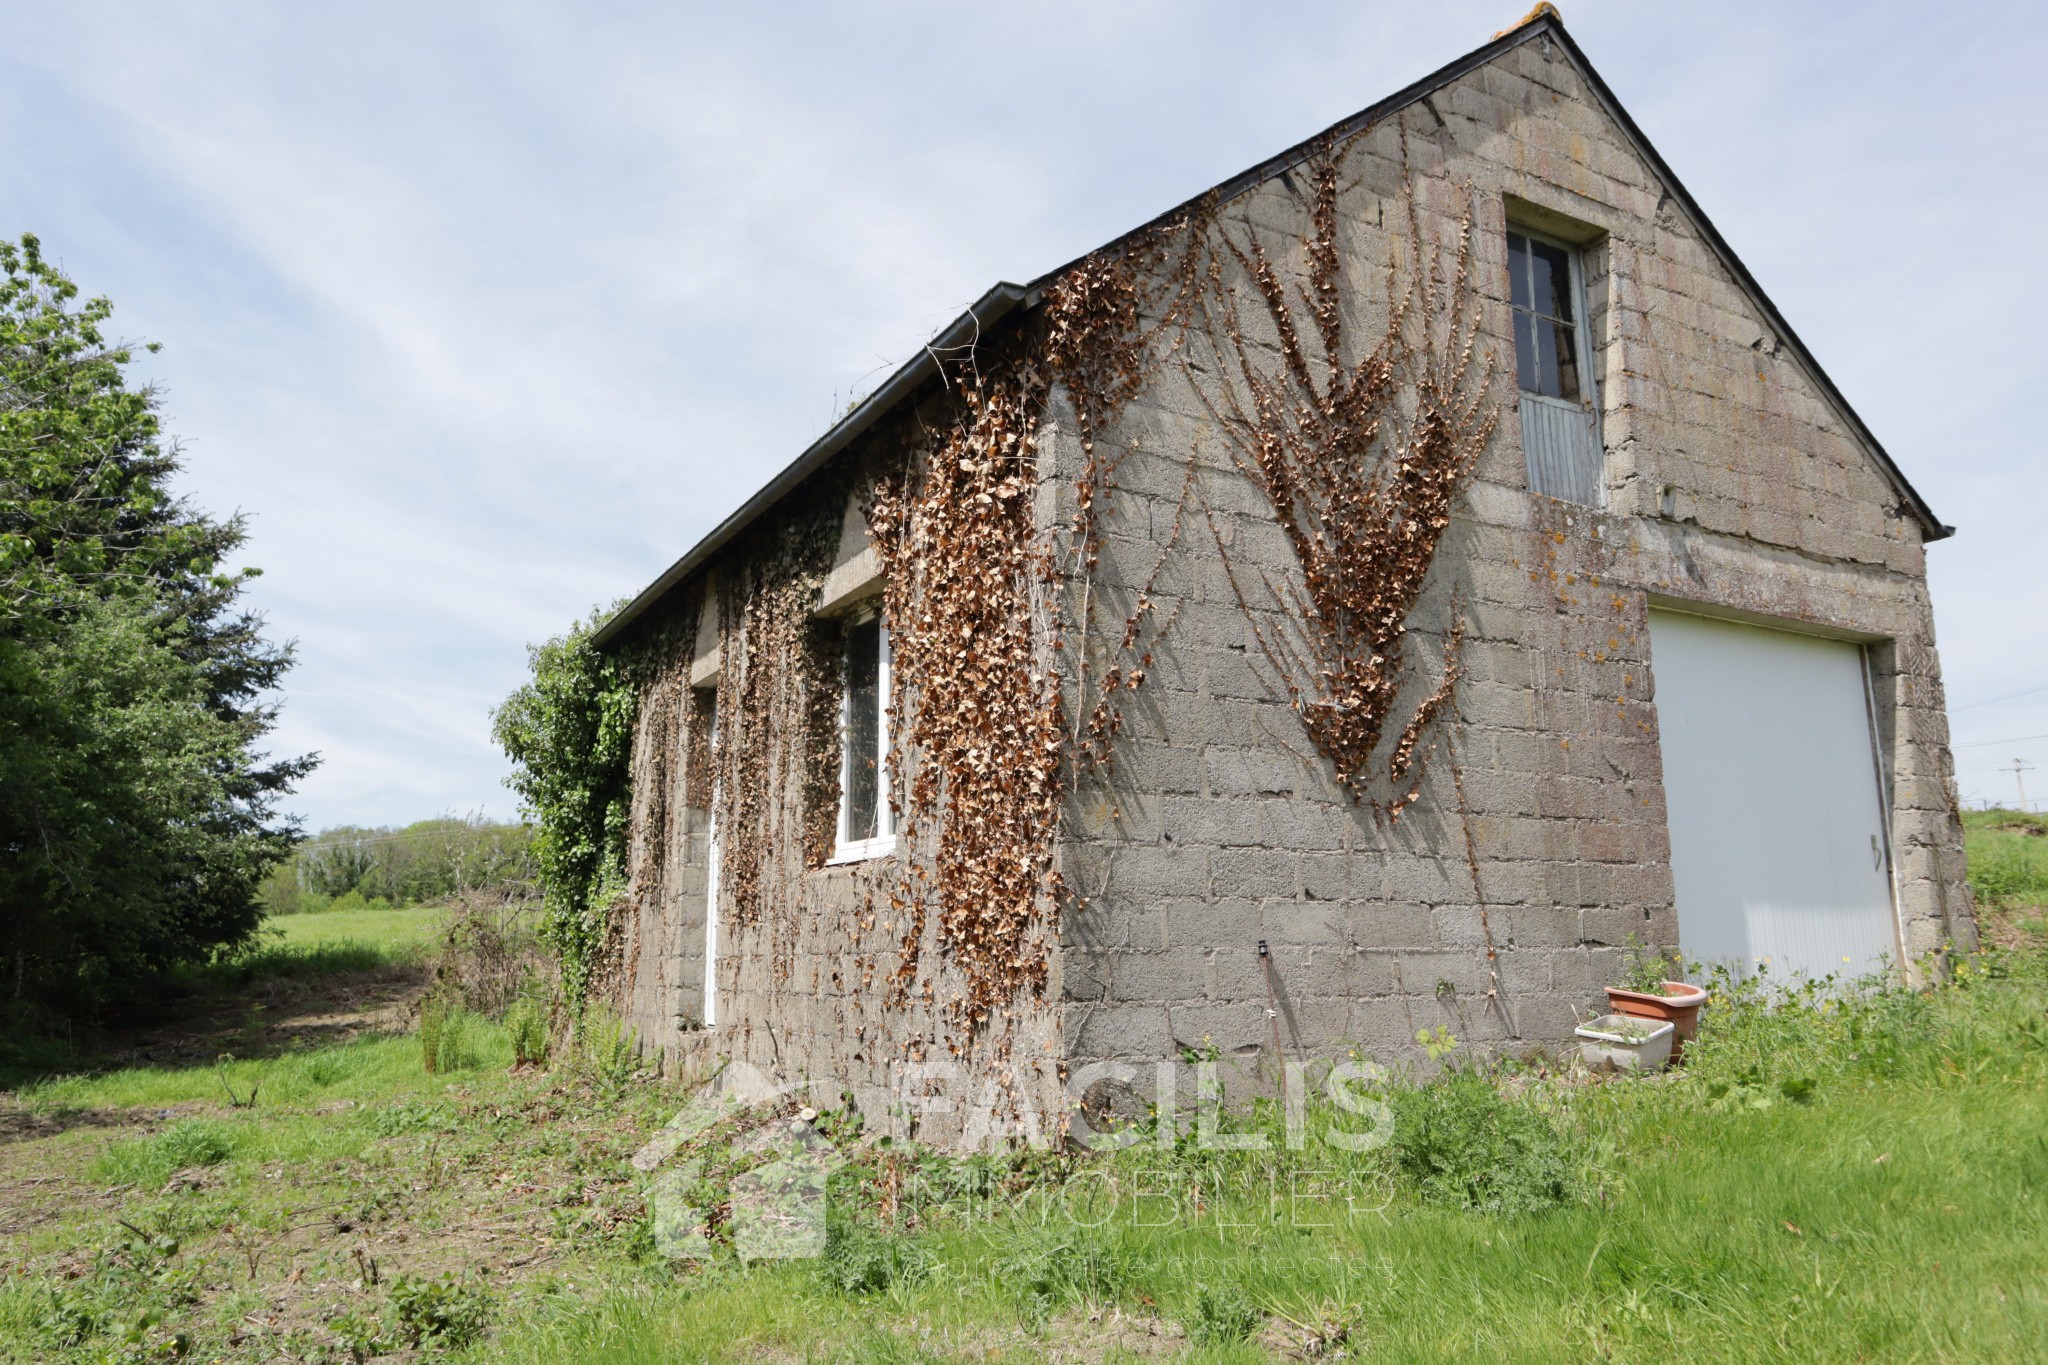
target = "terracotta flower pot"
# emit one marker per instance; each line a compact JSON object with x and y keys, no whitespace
{"x":1679,"y":1006}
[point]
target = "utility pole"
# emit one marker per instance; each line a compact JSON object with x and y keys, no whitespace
{"x":2019,"y":769}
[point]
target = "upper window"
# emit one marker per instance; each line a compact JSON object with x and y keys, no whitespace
{"x":867,"y":825}
{"x":1554,"y":366}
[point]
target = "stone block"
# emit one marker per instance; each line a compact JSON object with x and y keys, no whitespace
{"x":1382,"y":1027}
{"x":1341,"y":877}
{"x":1094,"y":1033}
{"x":1166,"y":976}
{"x":1257,"y":873}
{"x":1426,"y":973}
{"x":1237,"y":1029}
{"x":1231,"y":772}
{"x":1210,"y":923}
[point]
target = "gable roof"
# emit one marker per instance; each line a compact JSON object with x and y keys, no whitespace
{"x":963,"y":333}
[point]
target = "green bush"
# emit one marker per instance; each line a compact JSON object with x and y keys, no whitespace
{"x":1465,"y":1144}
{"x":569,"y":734}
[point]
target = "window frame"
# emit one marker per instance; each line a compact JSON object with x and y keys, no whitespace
{"x":883,"y":842}
{"x":1581,"y":324}
{"x":1564,"y":441}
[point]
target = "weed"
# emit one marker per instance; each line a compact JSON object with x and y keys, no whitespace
{"x":1046,"y":1273}
{"x":527,"y":1022}
{"x":361,"y":1335}
{"x":607,"y":1049}
{"x":861,"y":1258}
{"x":409,"y":1116}
{"x":447,"y":1034}
{"x":1223,"y":1316}
{"x":445,"y":1314}
{"x":150,"y":1161}
{"x":1437,"y":1043}
{"x":1646,"y":969}
{"x":1465,"y":1144}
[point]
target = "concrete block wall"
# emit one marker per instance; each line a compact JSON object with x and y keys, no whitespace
{"x":1733,"y":485}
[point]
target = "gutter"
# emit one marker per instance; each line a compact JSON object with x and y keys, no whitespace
{"x":962,"y":334}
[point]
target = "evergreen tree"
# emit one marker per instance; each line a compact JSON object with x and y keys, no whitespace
{"x":137,"y":815}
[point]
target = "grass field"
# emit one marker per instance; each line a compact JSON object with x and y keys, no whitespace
{"x":1857,"y":1179}
{"x":390,"y":934}
{"x":2008,"y":852}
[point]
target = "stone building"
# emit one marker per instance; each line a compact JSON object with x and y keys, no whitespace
{"x":1360,"y":601}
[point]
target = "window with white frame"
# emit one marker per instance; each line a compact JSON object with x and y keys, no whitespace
{"x":867,"y":826}
{"x":1554,"y":369}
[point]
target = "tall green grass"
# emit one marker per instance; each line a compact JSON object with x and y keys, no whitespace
{"x":1834,"y":1177}
{"x":2008,"y":856}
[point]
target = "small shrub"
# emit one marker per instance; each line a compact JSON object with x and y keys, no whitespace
{"x":491,"y":954}
{"x":360,"y":1335}
{"x":1047,"y":1274}
{"x":1223,"y":1316}
{"x":1465,"y":1144}
{"x":1646,"y":969}
{"x":445,"y":1314}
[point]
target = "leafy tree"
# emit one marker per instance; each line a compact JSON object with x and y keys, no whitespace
{"x":569,"y":733}
{"x":136,"y":814}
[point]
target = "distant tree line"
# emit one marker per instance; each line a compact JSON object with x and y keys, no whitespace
{"x":355,"y":866}
{"x":137,"y":803}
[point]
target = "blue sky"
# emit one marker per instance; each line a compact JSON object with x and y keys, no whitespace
{"x":485,"y":312}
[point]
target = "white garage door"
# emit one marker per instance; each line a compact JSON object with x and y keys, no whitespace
{"x":1778,"y":846}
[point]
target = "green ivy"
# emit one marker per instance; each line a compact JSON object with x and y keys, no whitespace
{"x":569,"y":733}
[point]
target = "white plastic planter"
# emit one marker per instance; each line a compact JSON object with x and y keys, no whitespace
{"x":1616,"y":1042}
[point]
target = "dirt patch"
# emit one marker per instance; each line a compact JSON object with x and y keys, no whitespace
{"x":2013,"y":926}
{"x":273,"y":1016}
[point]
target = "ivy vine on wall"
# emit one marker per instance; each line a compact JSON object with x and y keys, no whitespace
{"x":1361,"y":451}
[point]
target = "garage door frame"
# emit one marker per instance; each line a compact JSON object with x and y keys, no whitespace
{"x":1864,"y":643}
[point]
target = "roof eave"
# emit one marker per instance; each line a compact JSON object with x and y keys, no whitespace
{"x":962,"y":334}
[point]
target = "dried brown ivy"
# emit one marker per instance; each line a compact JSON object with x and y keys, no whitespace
{"x":977,"y":698}
{"x":1361,"y":454}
